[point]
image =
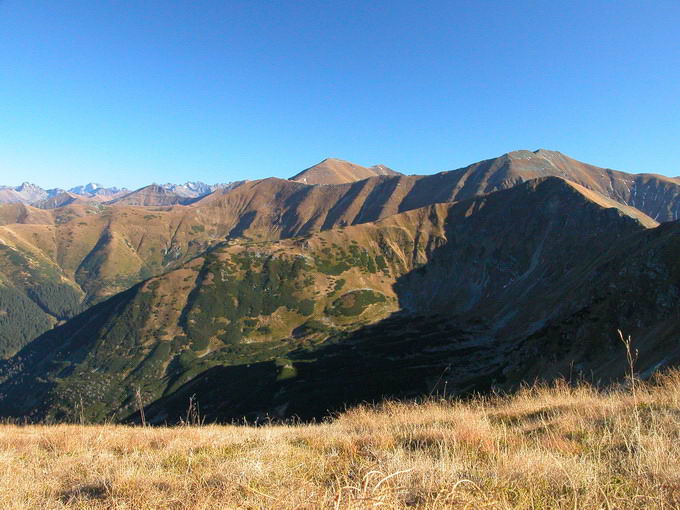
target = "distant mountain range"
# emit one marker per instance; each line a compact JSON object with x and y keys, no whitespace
{"x":279,"y":298}
{"x":328,"y":171}
{"x":155,"y":194}
{"x":28,"y":193}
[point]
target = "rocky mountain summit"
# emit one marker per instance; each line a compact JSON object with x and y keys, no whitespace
{"x":96,"y":190}
{"x":24,"y":193}
{"x":338,"y":171}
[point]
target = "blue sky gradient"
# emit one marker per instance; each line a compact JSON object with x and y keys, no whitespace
{"x":126,"y":93}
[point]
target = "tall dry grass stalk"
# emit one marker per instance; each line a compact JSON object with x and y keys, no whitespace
{"x":544,"y":447}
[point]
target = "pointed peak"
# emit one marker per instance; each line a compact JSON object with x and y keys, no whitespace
{"x":155,"y":187}
{"x":339,"y":171}
{"x":27,"y":186}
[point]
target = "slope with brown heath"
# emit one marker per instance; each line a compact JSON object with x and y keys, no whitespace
{"x":256,"y":328}
{"x":83,"y":253}
{"x":274,"y":208}
{"x":103,"y":249}
{"x":655,"y":195}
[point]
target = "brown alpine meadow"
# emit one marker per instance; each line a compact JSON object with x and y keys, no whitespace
{"x":557,"y":446}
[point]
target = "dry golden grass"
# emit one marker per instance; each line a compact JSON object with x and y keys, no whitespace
{"x":545,"y":447}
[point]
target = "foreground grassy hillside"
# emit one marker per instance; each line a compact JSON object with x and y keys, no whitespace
{"x":557,"y":447}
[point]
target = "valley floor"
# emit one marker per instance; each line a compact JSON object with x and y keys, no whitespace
{"x":557,"y":447}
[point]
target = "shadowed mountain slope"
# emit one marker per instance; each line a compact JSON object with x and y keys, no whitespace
{"x":655,"y":195}
{"x":633,"y":287}
{"x":276,"y":208}
{"x":86,"y":251}
{"x":485,"y":273}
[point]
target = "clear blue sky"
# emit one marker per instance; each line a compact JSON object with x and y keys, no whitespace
{"x":130,"y":92}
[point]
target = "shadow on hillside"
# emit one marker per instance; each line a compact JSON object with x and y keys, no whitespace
{"x":399,"y":357}
{"x":23,"y":385}
{"x":425,"y":350}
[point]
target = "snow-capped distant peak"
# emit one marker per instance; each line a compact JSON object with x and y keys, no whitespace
{"x":95,"y":189}
{"x":29,"y":193}
{"x":27,"y":186}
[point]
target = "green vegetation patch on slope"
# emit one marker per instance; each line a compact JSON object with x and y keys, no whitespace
{"x":355,"y":302}
{"x":232,"y":293}
{"x":41,"y":282}
{"x":335,"y":260}
{"x":21,"y":320}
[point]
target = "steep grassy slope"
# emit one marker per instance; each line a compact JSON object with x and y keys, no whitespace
{"x":283,"y":327}
{"x":89,"y":251}
{"x":67,"y":259}
{"x":274,"y":208}
{"x":20,"y":213}
{"x":655,"y":195}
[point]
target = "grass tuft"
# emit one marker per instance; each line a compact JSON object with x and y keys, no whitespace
{"x":557,"y":447}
